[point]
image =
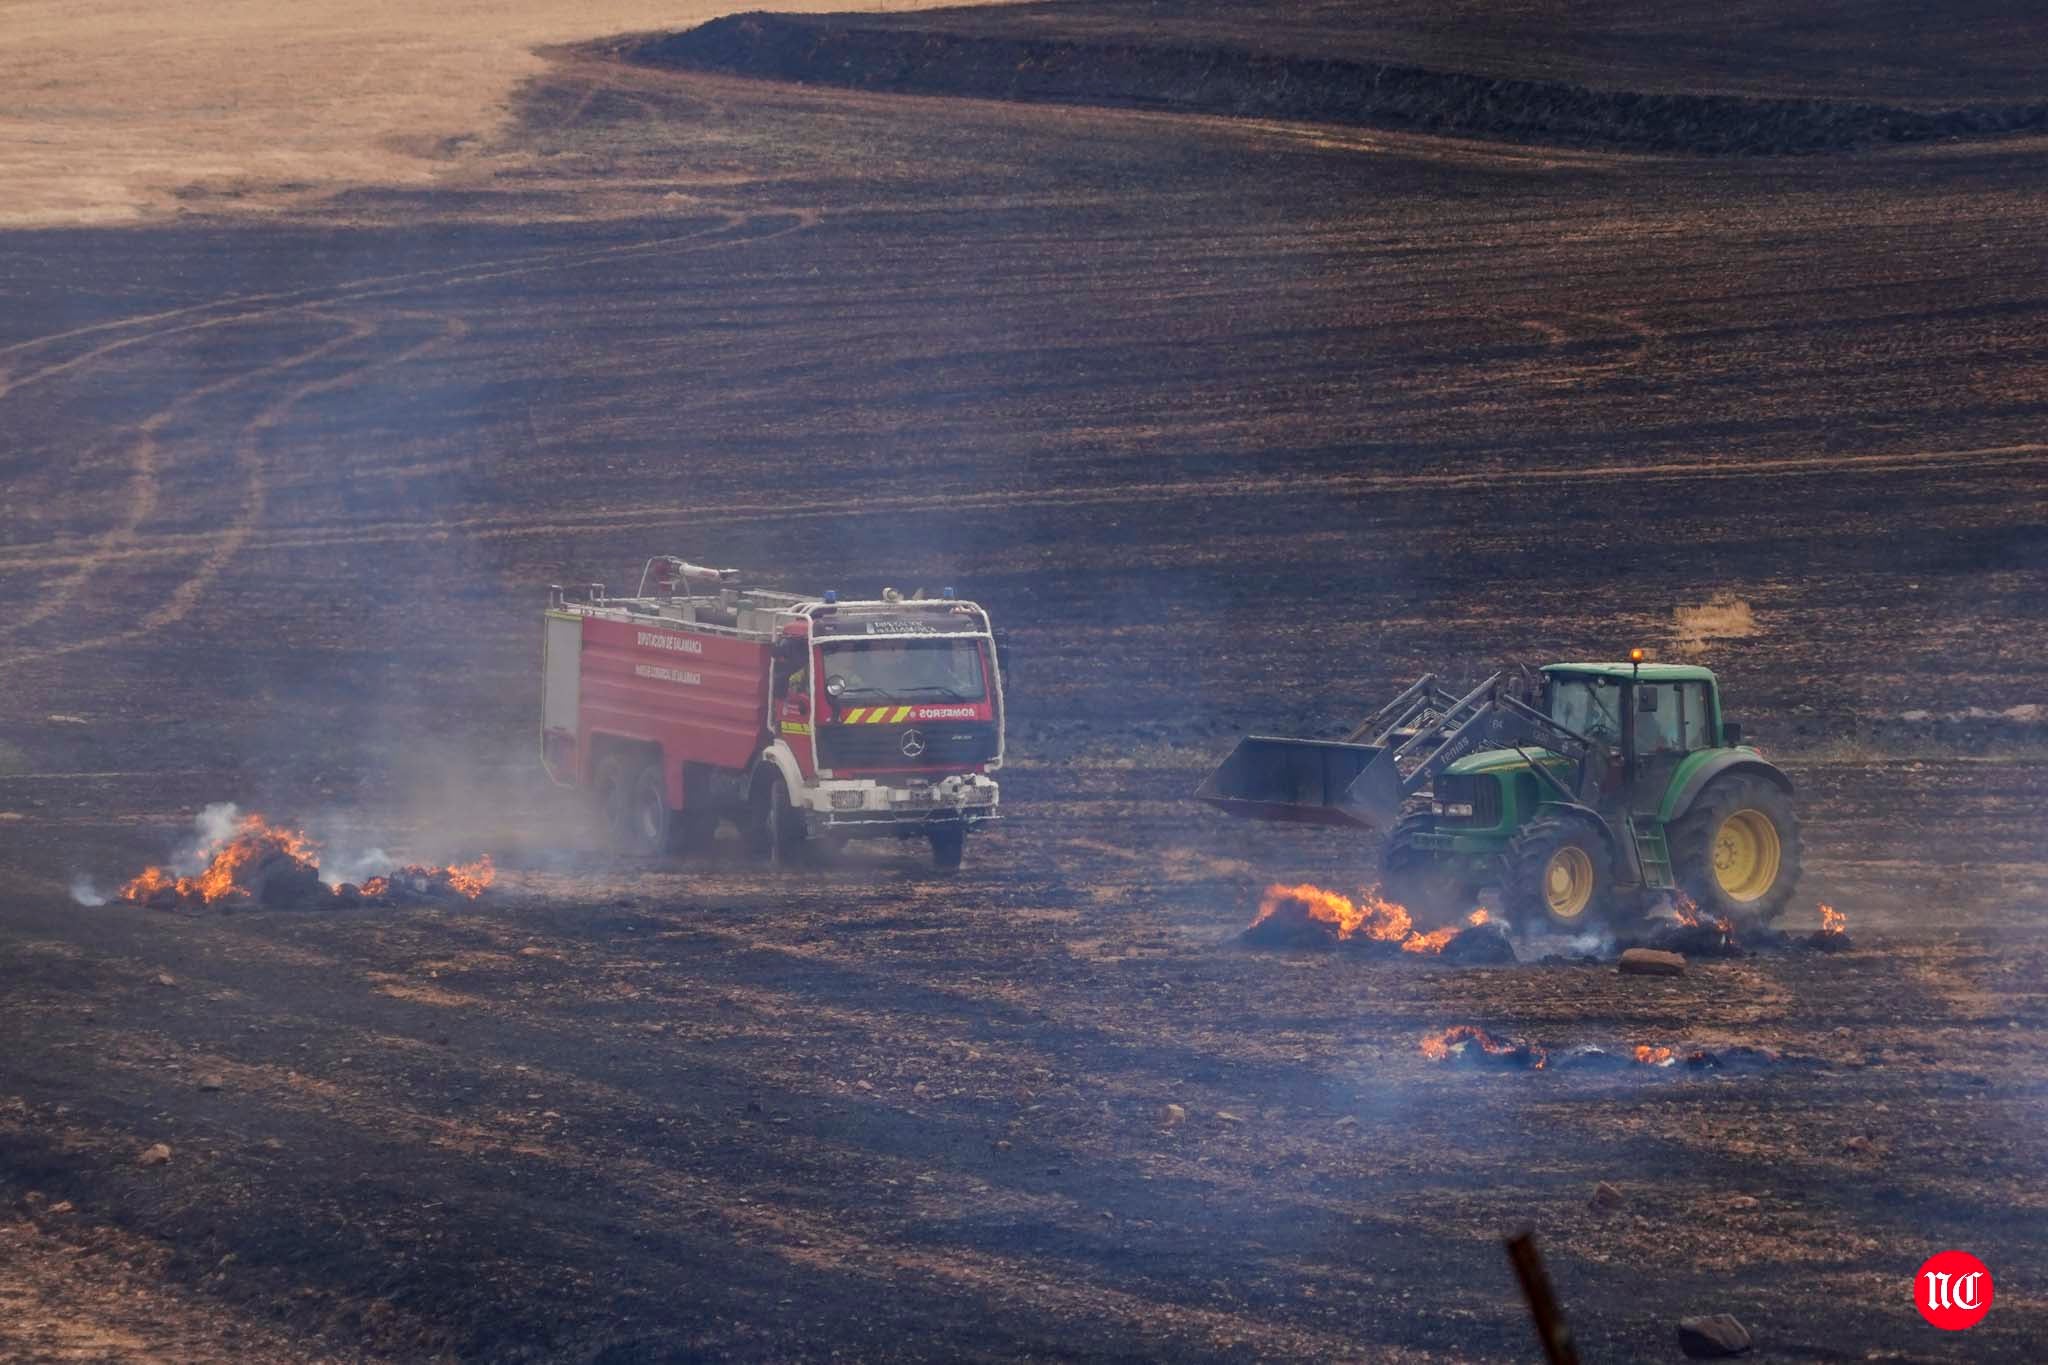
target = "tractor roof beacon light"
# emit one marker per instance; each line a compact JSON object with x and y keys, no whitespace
{"x":1635,"y":659}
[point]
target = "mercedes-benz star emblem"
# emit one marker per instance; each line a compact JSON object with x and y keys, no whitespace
{"x":913,"y":744}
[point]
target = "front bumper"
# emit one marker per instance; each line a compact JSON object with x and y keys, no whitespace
{"x":861,"y":809}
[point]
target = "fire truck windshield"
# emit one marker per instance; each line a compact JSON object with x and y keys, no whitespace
{"x":947,"y":669}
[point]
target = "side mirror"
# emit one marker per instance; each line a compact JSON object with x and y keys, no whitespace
{"x":835,"y":686}
{"x":1731,"y":732}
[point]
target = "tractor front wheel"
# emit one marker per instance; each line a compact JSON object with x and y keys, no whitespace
{"x":1558,"y":872}
{"x":1737,"y":851}
{"x":1430,"y":887}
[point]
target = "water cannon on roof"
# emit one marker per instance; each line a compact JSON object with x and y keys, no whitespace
{"x":670,"y":573}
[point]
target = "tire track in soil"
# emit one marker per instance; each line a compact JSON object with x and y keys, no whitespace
{"x":228,"y":543}
{"x":144,"y":488}
{"x":505,"y":526}
{"x":143,"y":497}
{"x":379,"y":286}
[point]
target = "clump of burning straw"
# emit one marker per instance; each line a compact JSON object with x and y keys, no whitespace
{"x":240,"y":860}
{"x":1306,"y":915}
{"x":1696,"y":933}
{"x":1471,"y":1046}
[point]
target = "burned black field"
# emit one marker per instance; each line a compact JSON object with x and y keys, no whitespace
{"x":1233,"y":424}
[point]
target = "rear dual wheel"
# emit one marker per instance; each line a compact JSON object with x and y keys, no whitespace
{"x":633,"y":800}
{"x":634,"y":804}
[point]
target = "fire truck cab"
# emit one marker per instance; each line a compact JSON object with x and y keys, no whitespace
{"x":805,"y":721}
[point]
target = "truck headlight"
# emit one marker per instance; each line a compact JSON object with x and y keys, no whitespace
{"x":1456,"y":810}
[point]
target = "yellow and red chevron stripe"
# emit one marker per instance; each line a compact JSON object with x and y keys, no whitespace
{"x":876,"y":715}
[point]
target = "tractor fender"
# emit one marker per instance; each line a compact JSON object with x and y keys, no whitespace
{"x":778,"y":754}
{"x":1591,"y":817}
{"x":1693,"y":776}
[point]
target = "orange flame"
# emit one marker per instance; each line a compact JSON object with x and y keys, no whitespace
{"x":256,"y":842}
{"x":470,"y":879}
{"x":1654,"y":1056}
{"x":465,"y":879}
{"x":1431,"y":942}
{"x":1438,"y":1047}
{"x":1371,"y":916}
{"x":1833,"y":921}
{"x":1686,"y":908}
{"x":253,"y":842}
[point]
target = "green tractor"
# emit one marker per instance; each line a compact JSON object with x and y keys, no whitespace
{"x":1583,"y":792}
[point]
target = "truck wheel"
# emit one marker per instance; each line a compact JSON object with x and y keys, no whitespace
{"x":949,"y":846}
{"x":1417,"y":878}
{"x":777,"y":832}
{"x":1557,"y":871}
{"x":606,"y":795}
{"x":1737,"y":851}
{"x":644,"y":816}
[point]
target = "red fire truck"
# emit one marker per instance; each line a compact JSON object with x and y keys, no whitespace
{"x":805,"y":721}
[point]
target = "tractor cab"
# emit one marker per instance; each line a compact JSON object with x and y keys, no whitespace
{"x":1649,"y":716}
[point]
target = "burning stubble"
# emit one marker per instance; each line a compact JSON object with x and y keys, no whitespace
{"x":238,"y":860}
{"x":1342,"y":919}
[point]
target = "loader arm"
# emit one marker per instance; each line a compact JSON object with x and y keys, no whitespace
{"x":1414,"y":737}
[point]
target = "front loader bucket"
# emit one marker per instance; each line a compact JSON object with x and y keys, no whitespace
{"x":1310,"y":781}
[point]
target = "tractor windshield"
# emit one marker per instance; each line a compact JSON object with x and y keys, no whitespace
{"x":944,"y":670}
{"x":1592,"y":706}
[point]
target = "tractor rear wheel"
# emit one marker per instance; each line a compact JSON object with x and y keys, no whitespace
{"x":1737,"y":851}
{"x":1430,"y":887}
{"x":1557,"y":871}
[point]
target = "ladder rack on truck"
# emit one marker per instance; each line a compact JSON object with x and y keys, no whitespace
{"x":804,"y":721}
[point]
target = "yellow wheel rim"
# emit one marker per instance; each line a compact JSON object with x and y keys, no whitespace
{"x":1746,"y":855}
{"x":1568,"y":882}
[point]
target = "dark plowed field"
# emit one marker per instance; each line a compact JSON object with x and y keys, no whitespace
{"x":1232,"y":424}
{"x":1321,"y":63}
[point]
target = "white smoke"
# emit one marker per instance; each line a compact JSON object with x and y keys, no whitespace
{"x":1597,"y":943}
{"x":356,"y":867}
{"x":85,"y":893}
{"x":212,"y":828}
